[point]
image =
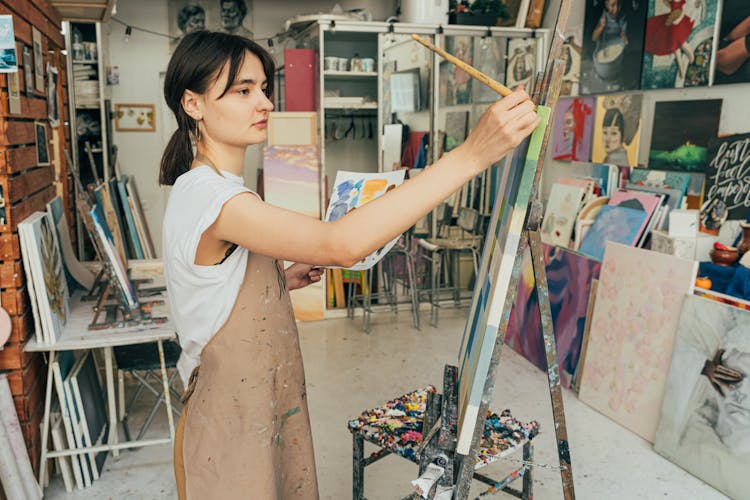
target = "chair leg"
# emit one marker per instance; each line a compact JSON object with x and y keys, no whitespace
{"x":358,"y":467}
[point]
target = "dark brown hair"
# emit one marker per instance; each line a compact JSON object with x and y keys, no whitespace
{"x":196,"y":63}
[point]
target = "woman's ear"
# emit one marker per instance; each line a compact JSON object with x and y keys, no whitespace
{"x":192,"y":104}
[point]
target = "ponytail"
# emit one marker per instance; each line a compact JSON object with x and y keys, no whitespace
{"x":177,"y":157}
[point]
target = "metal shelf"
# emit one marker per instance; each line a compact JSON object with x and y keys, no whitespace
{"x":349,"y":74}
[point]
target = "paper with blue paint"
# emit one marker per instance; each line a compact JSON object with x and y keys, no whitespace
{"x":352,"y":190}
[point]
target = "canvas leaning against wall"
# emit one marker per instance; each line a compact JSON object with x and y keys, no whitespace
{"x":617,"y":129}
{"x":705,"y":419}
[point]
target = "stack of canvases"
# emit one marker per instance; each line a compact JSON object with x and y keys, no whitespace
{"x":32,"y":113}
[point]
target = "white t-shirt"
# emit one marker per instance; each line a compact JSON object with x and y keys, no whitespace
{"x":201,"y":297}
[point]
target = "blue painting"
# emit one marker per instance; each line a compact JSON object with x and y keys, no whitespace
{"x":614,"y":223}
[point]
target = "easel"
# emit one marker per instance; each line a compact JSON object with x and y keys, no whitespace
{"x":440,"y":435}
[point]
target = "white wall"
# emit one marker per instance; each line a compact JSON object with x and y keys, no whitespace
{"x":145,"y":57}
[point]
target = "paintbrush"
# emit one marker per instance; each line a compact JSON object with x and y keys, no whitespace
{"x":471,"y":70}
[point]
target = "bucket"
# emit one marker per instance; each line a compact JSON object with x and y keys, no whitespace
{"x":424,"y":11}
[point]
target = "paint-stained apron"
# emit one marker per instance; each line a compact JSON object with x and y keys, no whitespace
{"x":245,"y":430}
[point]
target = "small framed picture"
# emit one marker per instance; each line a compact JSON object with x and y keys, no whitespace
{"x":42,"y":147}
{"x":135,"y":117}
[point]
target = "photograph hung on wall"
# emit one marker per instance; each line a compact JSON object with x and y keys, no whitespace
{"x":733,"y":52}
{"x":36,"y":37}
{"x":8,"y":54}
{"x":521,"y":67}
{"x":573,"y":129}
{"x":617,"y":129}
{"x":681,"y":133}
{"x":679,"y":43}
{"x":705,"y":416}
{"x":42,"y":147}
{"x":53,"y":105}
{"x":227,"y":16}
{"x":135,"y":117}
{"x":612,"y":45}
{"x":571,"y":52}
{"x":727,"y":190}
{"x":489,"y":58}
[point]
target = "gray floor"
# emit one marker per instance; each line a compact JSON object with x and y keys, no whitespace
{"x":349,"y":371}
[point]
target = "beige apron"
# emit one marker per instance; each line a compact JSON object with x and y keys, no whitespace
{"x":245,"y":433}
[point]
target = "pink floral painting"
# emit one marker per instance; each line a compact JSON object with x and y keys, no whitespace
{"x":633,"y":330}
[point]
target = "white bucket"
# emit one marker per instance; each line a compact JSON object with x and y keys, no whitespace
{"x":424,"y":11}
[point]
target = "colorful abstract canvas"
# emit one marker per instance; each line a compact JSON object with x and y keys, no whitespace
{"x":573,"y":128}
{"x":521,"y":67}
{"x":632,"y":334}
{"x":489,"y":58}
{"x":569,"y":278}
{"x":615,"y":224}
{"x":640,"y":201}
{"x":679,"y":43}
{"x":732,"y":65}
{"x":681,"y":133}
{"x":560,"y":214}
{"x":705,"y":418}
{"x":617,"y":129}
{"x":612,"y":46}
{"x":353,"y":190}
{"x":291,"y":178}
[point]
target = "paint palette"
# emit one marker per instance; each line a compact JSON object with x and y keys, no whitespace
{"x":353,"y":190}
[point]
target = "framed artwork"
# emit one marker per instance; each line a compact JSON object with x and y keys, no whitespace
{"x":228,"y":16}
{"x":38,"y":59}
{"x":404,"y":87}
{"x":573,"y":129}
{"x":572,"y":55}
{"x":612,"y":46}
{"x":8,"y":55}
{"x":461,"y":47}
{"x":521,"y":67}
{"x":489,"y":58}
{"x":681,"y":133}
{"x":617,"y":129}
{"x":679,"y":42}
{"x":53,"y":104}
{"x":42,"y":146}
{"x":135,"y":118}
{"x":727,"y":183}
{"x":732,"y":66}
{"x":292,"y":128}
{"x":28,"y":70}
{"x":704,"y":416}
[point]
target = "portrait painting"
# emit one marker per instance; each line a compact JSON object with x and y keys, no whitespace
{"x":617,"y":129}
{"x":612,"y":45}
{"x":571,"y":53}
{"x":573,"y":128}
{"x":228,"y":16}
{"x":521,"y":67}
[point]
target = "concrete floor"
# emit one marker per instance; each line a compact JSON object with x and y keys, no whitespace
{"x":349,"y":371}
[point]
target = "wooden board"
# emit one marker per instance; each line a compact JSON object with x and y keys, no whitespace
{"x":14,"y":160}
{"x":17,"y":187}
{"x":11,"y":274}
{"x":21,"y":327}
{"x":21,"y":210}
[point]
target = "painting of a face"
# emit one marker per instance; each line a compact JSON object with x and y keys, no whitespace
{"x":231,"y":16}
{"x":195,"y":22}
{"x":612,"y":138}
{"x":568,"y":123}
{"x":613,"y":7}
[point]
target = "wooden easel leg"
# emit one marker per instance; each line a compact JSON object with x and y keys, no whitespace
{"x":528,"y":477}
{"x":358,"y":467}
{"x":553,"y":371}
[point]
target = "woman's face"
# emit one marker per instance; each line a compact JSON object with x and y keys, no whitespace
{"x":195,"y":22}
{"x":239,"y":118}
{"x":568,"y":124}
{"x":613,"y":7}
{"x":612,"y":138}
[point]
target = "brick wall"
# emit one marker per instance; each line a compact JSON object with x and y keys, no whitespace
{"x":25,"y":188}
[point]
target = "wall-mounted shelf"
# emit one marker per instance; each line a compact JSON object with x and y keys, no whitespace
{"x":369,"y":105}
{"x":350,"y":74}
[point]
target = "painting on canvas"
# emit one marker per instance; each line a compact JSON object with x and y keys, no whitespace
{"x":617,"y":224}
{"x":291,"y":178}
{"x":569,"y":278}
{"x":521,"y":67}
{"x":107,"y":245}
{"x":633,"y":328}
{"x":489,"y":58}
{"x":612,"y":45}
{"x":679,"y":181}
{"x":705,"y":419}
{"x":354,"y":189}
{"x":461,"y":47}
{"x":572,"y":129}
{"x":640,"y":201}
{"x":8,"y":54}
{"x":456,"y":125}
{"x":679,"y":43}
{"x":617,"y":129}
{"x":681,"y":133}
{"x":727,"y":182}
{"x":732,"y":64}
{"x":572,"y":56}
{"x":228,"y":16}
{"x":560,"y":214}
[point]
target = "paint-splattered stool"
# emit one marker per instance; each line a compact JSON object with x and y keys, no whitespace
{"x":396,"y":428}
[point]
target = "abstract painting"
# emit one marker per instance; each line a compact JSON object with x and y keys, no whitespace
{"x":291,"y":178}
{"x":615,"y":224}
{"x":560,"y":214}
{"x":489,"y":58}
{"x":617,"y":129}
{"x":705,"y":418}
{"x":732,"y":64}
{"x":572,"y":129}
{"x":612,"y":46}
{"x":679,"y":181}
{"x":633,"y":329}
{"x":353,"y":190}
{"x":569,"y":278}
{"x":679,"y":43}
{"x":640,"y":201}
{"x":521,"y":67}
{"x":727,"y":182}
{"x":681,"y":133}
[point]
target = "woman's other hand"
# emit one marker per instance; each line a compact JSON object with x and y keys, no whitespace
{"x":300,"y":275}
{"x":501,"y":128}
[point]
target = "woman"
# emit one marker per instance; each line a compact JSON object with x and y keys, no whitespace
{"x":613,"y":132}
{"x":244,"y":431}
{"x":668,"y":34}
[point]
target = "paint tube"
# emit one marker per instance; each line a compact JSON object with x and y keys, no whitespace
{"x":432,"y":473}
